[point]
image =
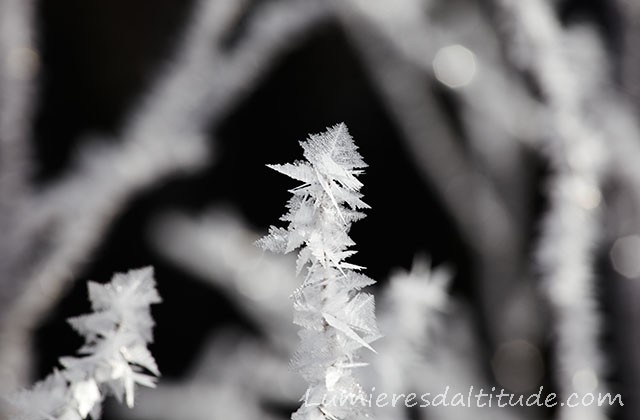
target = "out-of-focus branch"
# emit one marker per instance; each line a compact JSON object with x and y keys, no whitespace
{"x":410,"y":314}
{"x":19,"y":62}
{"x":250,"y":372}
{"x":477,"y":209}
{"x":256,"y":367}
{"x":615,"y":115}
{"x":617,"y":112}
{"x":220,"y":250}
{"x":19,"y":65}
{"x":499,"y":118}
{"x":437,"y":342}
{"x":576,"y":151}
{"x":165,"y":135}
{"x":452,"y":362}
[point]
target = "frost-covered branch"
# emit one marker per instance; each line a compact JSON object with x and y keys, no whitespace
{"x":165,"y":134}
{"x":219,"y":249}
{"x":578,"y":156}
{"x":429,"y":344}
{"x":487,"y":226}
{"x":19,"y":66}
{"x":112,"y":360}
{"x":452,"y":361}
{"x":410,"y":313}
{"x":337,"y":318}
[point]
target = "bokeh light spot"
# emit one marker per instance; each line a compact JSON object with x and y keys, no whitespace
{"x":625,"y":256}
{"x":454,"y":66}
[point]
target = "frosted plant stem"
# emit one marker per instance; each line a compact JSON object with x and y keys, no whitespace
{"x":337,"y":319}
{"x":571,"y":231}
{"x":114,"y":356}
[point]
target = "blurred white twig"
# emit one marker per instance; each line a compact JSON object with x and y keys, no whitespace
{"x":219,"y":249}
{"x":19,"y":66}
{"x":165,"y":135}
{"x":576,"y":151}
{"x":395,"y":43}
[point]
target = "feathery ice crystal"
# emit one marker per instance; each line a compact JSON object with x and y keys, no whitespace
{"x":113,"y":359}
{"x":337,"y":318}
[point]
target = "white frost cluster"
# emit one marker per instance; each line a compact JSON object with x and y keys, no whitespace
{"x":337,"y":318}
{"x":113,"y":360}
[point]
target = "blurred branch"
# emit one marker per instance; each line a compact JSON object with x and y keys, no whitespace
{"x":390,"y":41}
{"x":19,"y":65}
{"x":237,"y":369}
{"x":452,"y":361}
{"x":571,"y":230}
{"x":165,"y":135}
{"x":257,"y":368}
{"x":614,"y":114}
{"x":219,"y":249}
{"x":628,"y":12}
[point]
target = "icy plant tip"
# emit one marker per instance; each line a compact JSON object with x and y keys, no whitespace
{"x":113,"y":360}
{"x":337,"y":319}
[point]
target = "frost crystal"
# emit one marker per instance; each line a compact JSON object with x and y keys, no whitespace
{"x":114,"y":356}
{"x":337,"y":318}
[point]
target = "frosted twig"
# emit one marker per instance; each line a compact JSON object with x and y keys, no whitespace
{"x":231,"y":365}
{"x":336,"y":317}
{"x":219,"y":249}
{"x":487,"y":226}
{"x":115,"y":353}
{"x":617,"y":118}
{"x":410,"y":313}
{"x":19,"y":62}
{"x":616,"y":111}
{"x":429,"y":344}
{"x":452,"y":361}
{"x":165,"y":135}
{"x":492,"y":103}
{"x":571,"y":228}
{"x":250,"y":364}
{"x":19,"y":65}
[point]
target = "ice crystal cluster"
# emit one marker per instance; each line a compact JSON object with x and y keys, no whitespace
{"x":113,"y":360}
{"x":336,"y":317}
